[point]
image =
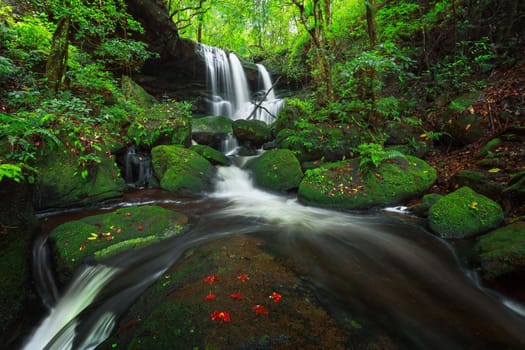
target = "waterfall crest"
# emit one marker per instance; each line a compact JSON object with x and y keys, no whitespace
{"x":230,"y":92}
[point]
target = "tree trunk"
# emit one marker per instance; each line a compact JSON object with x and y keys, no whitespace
{"x":371,"y":22}
{"x":57,"y":60}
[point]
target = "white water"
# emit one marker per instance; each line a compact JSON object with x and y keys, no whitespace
{"x":57,"y":330}
{"x":230,"y":93}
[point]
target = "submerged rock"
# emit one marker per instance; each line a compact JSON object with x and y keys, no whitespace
{"x":502,"y":251}
{"x":276,"y":170}
{"x":464,"y":213}
{"x":60,"y":185}
{"x":182,"y":170}
{"x":101,"y":236}
{"x":341,"y":185}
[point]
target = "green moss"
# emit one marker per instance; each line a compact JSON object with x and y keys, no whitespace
{"x":212,"y":124}
{"x":277,"y":170}
{"x":502,"y":251}
{"x":181,"y":170}
{"x":59,"y":183}
{"x":340,"y":185}
{"x":106,"y":234}
{"x":464,"y":213}
{"x":211,"y":154}
{"x":255,"y":132}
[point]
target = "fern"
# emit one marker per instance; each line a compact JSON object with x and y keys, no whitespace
{"x":373,"y":154}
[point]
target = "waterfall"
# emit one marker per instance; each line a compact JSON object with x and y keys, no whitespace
{"x":230,"y":92}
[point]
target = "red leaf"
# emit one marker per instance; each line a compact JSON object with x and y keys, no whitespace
{"x":220,"y":315}
{"x":276,"y":297}
{"x":210,"y":296}
{"x":260,"y":309}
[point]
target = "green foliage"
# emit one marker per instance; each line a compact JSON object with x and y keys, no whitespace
{"x":29,"y":40}
{"x":164,"y":119}
{"x":124,"y":53}
{"x":11,"y":171}
{"x":373,"y":154}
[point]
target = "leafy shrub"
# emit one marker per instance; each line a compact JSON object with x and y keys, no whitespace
{"x":373,"y":154}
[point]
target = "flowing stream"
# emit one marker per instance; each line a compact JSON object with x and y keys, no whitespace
{"x":391,"y":273}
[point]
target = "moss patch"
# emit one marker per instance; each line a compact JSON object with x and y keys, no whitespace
{"x":107,"y":234}
{"x":341,"y":185}
{"x":211,"y":154}
{"x":277,"y":170}
{"x":181,"y":170}
{"x":175,"y":311}
{"x":464,"y":213}
{"x":502,"y":251}
{"x":59,"y":183}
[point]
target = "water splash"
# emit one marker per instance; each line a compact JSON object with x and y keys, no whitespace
{"x":58,"y":327}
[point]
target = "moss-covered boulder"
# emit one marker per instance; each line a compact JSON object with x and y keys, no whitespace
{"x":342,"y":185}
{"x":211,"y":154}
{"x":104,"y":235}
{"x":161,"y":124}
{"x":251,"y":133}
{"x":59,"y":183}
{"x":135,"y":92}
{"x":421,"y":208}
{"x":485,"y":183}
{"x":276,"y":170}
{"x":182,"y":170}
{"x":211,"y":131}
{"x":502,"y":251}
{"x":17,"y":223}
{"x":464,"y":213}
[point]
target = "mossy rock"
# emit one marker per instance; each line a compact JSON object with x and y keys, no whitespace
{"x":516,"y":186}
{"x":211,"y":154}
{"x":502,"y":251}
{"x":17,"y":223}
{"x":464,"y":213}
{"x":104,"y":235}
{"x":341,"y":185}
{"x":478,"y":181}
{"x":211,"y":131}
{"x":182,"y":170}
{"x":59,"y":183}
{"x":251,"y":133}
{"x":212,"y":124}
{"x":161,"y":124}
{"x":424,"y":205}
{"x":490,"y":148}
{"x":276,"y":170}
{"x":135,"y":92}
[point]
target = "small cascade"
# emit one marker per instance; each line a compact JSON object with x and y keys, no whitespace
{"x":230,"y":93}
{"x":137,"y":168}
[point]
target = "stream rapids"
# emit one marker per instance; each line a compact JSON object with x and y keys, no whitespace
{"x":390,"y":272}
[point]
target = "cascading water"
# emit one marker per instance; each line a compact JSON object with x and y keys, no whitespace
{"x":394,"y":275}
{"x":230,"y":93}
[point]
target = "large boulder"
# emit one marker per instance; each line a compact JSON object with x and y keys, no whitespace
{"x":17,"y":223}
{"x":276,"y":170}
{"x":251,"y":133}
{"x":502,"y":251}
{"x":59,"y":183}
{"x":182,"y":170}
{"x":342,"y":185}
{"x":211,"y":154}
{"x":161,"y":124}
{"x":211,"y":131}
{"x":464,"y":213}
{"x":104,"y":235}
